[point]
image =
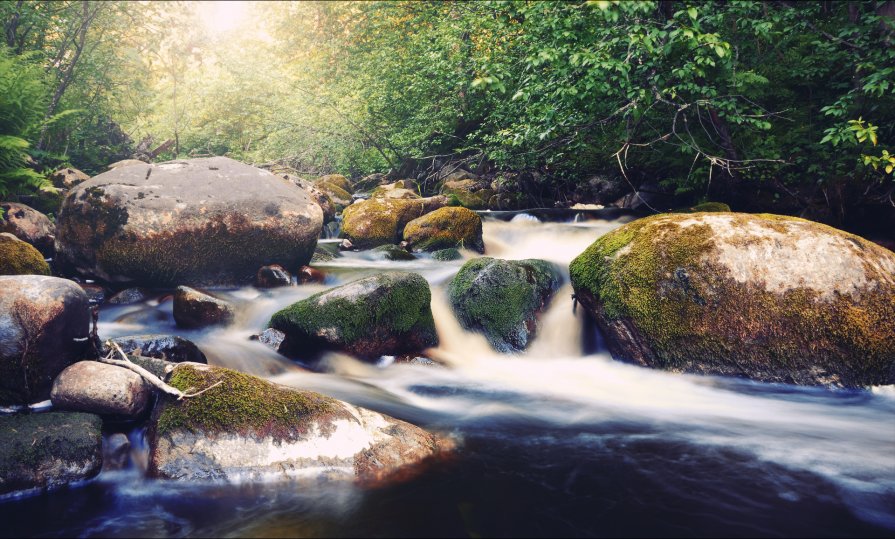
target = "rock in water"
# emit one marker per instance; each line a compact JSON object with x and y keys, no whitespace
{"x":185,"y":222}
{"x":272,"y":277}
{"x":766,"y":297}
{"x":386,"y":314}
{"x":20,"y":258}
{"x":28,"y":225}
{"x":247,"y":428}
{"x":445,"y":228}
{"x":503,"y":298}
{"x":48,"y":450}
{"x":98,"y":388}
{"x":168,"y":347}
{"x":194,"y":309}
{"x":44,"y":323}
{"x":378,"y":221}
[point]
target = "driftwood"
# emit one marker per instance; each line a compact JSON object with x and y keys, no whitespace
{"x":148,"y":376}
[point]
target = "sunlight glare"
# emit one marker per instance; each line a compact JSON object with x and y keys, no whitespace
{"x":222,"y":16}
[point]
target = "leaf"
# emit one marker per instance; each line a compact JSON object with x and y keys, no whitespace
{"x":692,"y":13}
{"x":720,"y":51}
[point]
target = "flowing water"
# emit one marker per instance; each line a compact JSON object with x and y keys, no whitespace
{"x":558,"y":441}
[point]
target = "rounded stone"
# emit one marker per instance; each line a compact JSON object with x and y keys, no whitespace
{"x":97,"y":388}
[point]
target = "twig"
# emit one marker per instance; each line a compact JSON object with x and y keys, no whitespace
{"x":148,"y":376}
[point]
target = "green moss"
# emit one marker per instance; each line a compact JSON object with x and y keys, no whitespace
{"x":393,"y":252}
{"x":337,"y":180}
{"x":379,"y":221}
{"x":33,"y":440}
{"x":21,"y":258}
{"x":445,"y":228}
{"x":241,"y":404}
{"x":446,"y":255}
{"x":336,"y":193}
{"x":474,"y":200}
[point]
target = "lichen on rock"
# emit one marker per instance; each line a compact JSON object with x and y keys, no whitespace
{"x":445,"y":228}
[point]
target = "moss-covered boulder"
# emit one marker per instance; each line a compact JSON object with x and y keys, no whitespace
{"x":502,"y":299}
{"x":447,"y":255}
{"x":246,"y":428}
{"x":377,"y":221}
{"x":386,"y":314}
{"x":339,"y":181}
{"x":185,"y":222}
{"x":44,"y":323}
{"x":51,"y":450}
{"x":398,"y":189}
{"x":29,"y":225}
{"x":469,"y":193}
{"x":445,"y":228}
{"x":391,"y":252}
{"x":760,"y":296}
{"x":20,"y":258}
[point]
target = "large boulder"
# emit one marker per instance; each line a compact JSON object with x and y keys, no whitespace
{"x":20,"y":258}
{"x":126,"y":163}
{"x":502,"y":299}
{"x":386,"y":314}
{"x":44,"y":325}
{"x":760,"y":296}
{"x":29,"y":225}
{"x":377,"y":221}
{"x":66,"y":178}
{"x":195,"y":309}
{"x":246,"y":428}
{"x":49,"y":450}
{"x":98,"y":388}
{"x":185,"y":222}
{"x":168,"y":347}
{"x":445,"y":228}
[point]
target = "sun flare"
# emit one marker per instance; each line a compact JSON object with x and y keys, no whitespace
{"x":222,"y":16}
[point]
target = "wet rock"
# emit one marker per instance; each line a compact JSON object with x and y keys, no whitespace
{"x":66,"y":178}
{"x":248,"y":429}
{"x":272,"y":338}
{"x":98,"y":388}
{"x":392,"y":252}
{"x":502,"y":299}
{"x":167,"y":347}
{"x":20,"y":258}
{"x":116,"y":452}
{"x":185,"y":222}
{"x":129,"y":296}
{"x":307,"y":274}
{"x":326,"y":252}
{"x":386,"y":314}
{"x":447,"y":255}
{"x":194,"y":309}
{"x":272,"y":277}
{"x":96,"y":294}
{"x":44,"y":323}
{"x":48,"y":450}
{"x":28,"y":225}
{"x":370,"y":223}
{"x":771,"y":298}
{"x":445,"y":228}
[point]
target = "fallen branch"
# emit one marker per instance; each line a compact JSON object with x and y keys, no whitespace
{"x":148,"y":376}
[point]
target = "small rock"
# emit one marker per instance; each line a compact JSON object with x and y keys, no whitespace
{"x":96,"y":294}
{"x":446,"y":255}
{"x":28,"y":225}
{"x":129,"y":296}
{"x":66,"y":178}
{"x":392,"y":252}
{"x":98,"y":388}
{"x":272,"y":338}
{"x":272,"y":276}
{"x":194,"y":309}
{"x":346,"y":245}
{"x":307,"y":274}
{"x":167,"y":347}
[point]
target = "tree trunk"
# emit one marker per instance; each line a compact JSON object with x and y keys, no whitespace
{"x":12,"y":25}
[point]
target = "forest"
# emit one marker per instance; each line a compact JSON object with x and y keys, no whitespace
{"x":767,"y":106}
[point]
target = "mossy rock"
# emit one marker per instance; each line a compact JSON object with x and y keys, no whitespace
{"x":393,"y":253}
{"x":447,"y":255}
{"x":706,"y":207}
{"x":28,"y":224}
{"x":468,"y":193}
{"x":337,"y":180}
{"x":377,"y":221}
{"x":767,"y":297}
{"x":502,"y":299}
{"x":20,"y":258}
{"x":339,"y":197}
{"x":48,"y":450}
{"x":399,"y":189}
{"x":386,"y":314}
{"x":445,"y":228}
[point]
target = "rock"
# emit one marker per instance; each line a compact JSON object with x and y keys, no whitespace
{"x":368,"y":183}
{"x":272,"y":338}
{"x":455,"y":175}
{"x":48,"y":450}
{"x":168,"y":347}
{"x":158,"y":367}
{"x":385,"y":314}
{"x":447,"y":255}
{"x":116,"y":452}
{"x":28,"y":225}
{"x":445,"y":228}
{"x":706,"y":207}
{"x":129,"y":296}
{"x":194,"y":309}
{"x":185,"y":222}
{"x":339,"y":181}
{"x":400,"y":189}
{"x":66,"y":178}
{"x":392,"y":252}
{"x":126,"y":163}
{"x":272,"y":276}
{"x":250,"y":429}
{"x":98,"y":388}
{"x":340,"y":197}
{"x":469,"y":193}
{"x":374,"y":222}
{"x":649,"y":196}
{"x":327,"y":206}
{"x":771,"y":298}
{"x":600,"y":190}
{"x":20,"y":258}
{"x":307,"y":274}
{"x":42,"y":320}
{"x":96,"y":294}
{"x":502,"y":299}
{"x":325,"y":252}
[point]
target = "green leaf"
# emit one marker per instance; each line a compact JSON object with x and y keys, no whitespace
{"x":692,"y":13}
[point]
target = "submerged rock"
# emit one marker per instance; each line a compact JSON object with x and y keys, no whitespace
{"x":247,"y":428}
{"x":28,"y":225}
{"x":185,"y":222}
{"x":502,"y":299}
{"x":48,"y":450}
{"x":98,"y":388}
{"x":168,"y":347}
{"x":771,"y":298}
{"x":272,"y":276}
{"x":44,"y":323}
{"x":392,"y":252}
{"x":20,"y":258}
{"x":445,"y":228}
{"x":377,"y":221}
{"x":194,"y":309}
{"x":386,"y":314}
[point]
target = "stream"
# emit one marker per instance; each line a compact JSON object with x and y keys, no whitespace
{"x":558,"y":441}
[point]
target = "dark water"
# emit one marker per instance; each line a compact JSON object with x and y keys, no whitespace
{"x":560,"y":441}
